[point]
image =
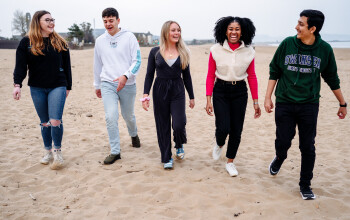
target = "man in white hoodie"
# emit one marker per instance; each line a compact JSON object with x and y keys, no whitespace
{"x":117,"y":61}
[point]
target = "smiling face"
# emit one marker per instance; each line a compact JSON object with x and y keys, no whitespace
{"x":303,"y":31}
{"x":233,"y":32}
{"x":111,"y":24}
{"x":174,"y":33}
{"x":47,"y":25}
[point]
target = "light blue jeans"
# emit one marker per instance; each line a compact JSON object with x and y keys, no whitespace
{"x":49,"y":104}
{"x":111,"y":98}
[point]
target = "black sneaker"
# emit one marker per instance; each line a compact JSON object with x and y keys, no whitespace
{"x":306,"y":193}
{"x":275,"y":166}
{"x":111,"y":158}
{"x":136,"y":141}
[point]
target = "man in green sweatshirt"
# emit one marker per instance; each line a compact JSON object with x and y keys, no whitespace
{"x":297,"y":66}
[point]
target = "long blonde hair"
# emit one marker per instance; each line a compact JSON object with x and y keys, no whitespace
{"x":36,"y":38}
{"x":180,"y":45}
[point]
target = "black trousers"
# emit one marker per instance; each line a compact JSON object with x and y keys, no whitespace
{"x":287,"y":116}
{"x":169,"y":103}
{"x":230,"y":103}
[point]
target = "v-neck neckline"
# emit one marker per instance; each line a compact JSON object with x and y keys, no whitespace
{"x":167,"y":62}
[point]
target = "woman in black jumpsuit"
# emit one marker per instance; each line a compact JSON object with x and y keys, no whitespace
{"x":168,"y":90}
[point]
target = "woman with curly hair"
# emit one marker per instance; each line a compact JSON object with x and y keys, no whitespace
{"x":231,"y":61}
{"x":171,"y":61}
{"x":45,"y":54}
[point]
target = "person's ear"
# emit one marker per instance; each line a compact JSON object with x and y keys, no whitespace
{"x":313,"y":29}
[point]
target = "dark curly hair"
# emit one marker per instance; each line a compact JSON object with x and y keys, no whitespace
{"x":247,"y":29}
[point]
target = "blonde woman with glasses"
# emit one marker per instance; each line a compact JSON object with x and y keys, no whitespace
{"x":171,"y":61}
{"x":45,"y":54}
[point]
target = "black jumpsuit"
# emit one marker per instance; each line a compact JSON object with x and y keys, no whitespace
{"x":168,"y":100}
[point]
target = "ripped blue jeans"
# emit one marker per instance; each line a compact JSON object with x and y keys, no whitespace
{"x":49,"y":104}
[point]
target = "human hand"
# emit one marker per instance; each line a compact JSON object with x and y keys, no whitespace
{"x":16,"y":93}
{"x":342,"y":112}
{"x":98,"y":93}
{"x":145,"y":105}
{"x":121,"y":82}
{"x":209,"y":108}
{"x":268,"y":104}
{"x":192,"y":103}
{"x":67,"y":93}
{"x":145,"y":102}
{"x":257,"y":113}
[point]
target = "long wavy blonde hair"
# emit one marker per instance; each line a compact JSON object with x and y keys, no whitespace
{"x":36,"y":38}
{"x":180,"y":45}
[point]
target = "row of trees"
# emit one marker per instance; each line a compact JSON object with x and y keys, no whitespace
{"x":84,"y":32}
{"x":21,"y":22}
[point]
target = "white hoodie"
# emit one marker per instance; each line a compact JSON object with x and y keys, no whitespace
{"x":116,"y":56}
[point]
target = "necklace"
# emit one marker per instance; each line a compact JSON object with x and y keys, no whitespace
{"x":169,"y":53}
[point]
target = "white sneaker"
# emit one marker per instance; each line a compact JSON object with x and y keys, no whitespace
{"x":231,"y":169}
{"x":217,"y":152}
{"x":57,"y":160}
{"x":47,"y":157}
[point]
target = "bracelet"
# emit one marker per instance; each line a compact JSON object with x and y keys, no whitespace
{"x":345,"y":105}
{"x":145,"y":99}
{"x":256,"y":103}
{"x":17,"y":85}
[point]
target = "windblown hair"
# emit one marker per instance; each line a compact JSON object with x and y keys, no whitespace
{"x":180,"y":45}
{"x":36,"y":38}
{"x":247,"y":29}
{"x":314,"y":18}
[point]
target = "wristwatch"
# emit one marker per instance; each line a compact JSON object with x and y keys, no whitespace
{"x":345,"y":105}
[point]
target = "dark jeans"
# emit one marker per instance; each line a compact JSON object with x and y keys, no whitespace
{"x":287,"y":116}
{"x":230,"y":103}
{"x":49,"y":104}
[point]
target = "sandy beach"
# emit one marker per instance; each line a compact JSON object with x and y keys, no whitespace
{"x":137,"y":186}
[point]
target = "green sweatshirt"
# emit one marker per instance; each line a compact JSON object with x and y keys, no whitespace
{"x":297,"y":67}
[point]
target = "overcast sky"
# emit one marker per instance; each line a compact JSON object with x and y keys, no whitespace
{"x":196,"y":17}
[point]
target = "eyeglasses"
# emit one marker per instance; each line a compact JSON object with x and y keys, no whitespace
{"x":48,"y":20}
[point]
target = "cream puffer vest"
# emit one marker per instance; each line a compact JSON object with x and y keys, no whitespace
{"x":232,"y":65}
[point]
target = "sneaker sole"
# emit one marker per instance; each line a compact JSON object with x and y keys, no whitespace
{"x":181,"y":157}
{"x":307,"y":198}
{"x":109,"y":163}
{"x":273,"y":174}
{"x":45,"y":163}
{"x":234,"y":175}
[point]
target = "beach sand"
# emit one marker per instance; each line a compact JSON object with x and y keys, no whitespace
{"x":137,"y":186}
